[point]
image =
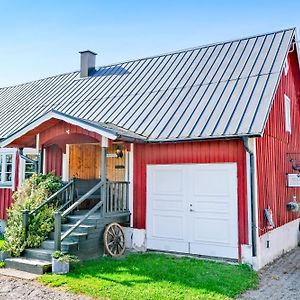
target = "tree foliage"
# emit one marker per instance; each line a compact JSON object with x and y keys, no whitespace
{"x":30,"y":195}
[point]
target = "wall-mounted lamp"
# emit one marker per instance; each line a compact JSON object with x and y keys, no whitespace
{"x":119,"y":151}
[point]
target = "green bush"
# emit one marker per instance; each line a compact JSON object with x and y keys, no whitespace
{"x":30,"y":195}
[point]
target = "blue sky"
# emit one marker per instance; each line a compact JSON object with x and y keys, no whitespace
{"x":42,"y":38}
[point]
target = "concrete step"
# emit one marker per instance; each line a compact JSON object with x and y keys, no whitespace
{"x":38,"y":253}
{"x":66,"y":246}
{"x":35,"y":266}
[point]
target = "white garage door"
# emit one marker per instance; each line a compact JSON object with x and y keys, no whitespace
{"x":192,"y":208}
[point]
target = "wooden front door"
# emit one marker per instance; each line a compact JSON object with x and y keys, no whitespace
{"x":85,"y":162}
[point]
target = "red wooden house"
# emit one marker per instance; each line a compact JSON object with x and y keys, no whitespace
{"x":209,"y":138}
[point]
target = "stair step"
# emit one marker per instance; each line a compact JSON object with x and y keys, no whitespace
{"x":81,"y":228}
{"x":38,"y":253}
{"x":35,"y":266}
{"x":92,"y":220}
{"x":66,"y":246}
{"x":73,"y":237}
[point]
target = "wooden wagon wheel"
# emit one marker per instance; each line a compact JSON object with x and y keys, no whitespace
{"x":114,"y":240}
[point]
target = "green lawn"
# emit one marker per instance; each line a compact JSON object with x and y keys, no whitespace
{"x":155,"y":276}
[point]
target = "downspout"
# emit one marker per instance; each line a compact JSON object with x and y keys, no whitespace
{"x":252,"y":196}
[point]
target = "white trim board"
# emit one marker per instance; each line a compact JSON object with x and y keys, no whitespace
{"x":55,"y":115}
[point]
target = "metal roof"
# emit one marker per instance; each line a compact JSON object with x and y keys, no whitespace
{"x":220,"y":90}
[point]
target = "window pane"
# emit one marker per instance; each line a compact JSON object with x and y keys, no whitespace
{"x":8,"y":177}
{"x":9,"y":168}
{"x":9,"y":158}
{"x":30,"y":167}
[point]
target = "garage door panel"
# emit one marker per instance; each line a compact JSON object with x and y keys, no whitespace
{"x":212,"y":230}
{"x":167,"y":245}
{"x":174,"y":204}
{"x":208,"y":182}
{"x":168,"y":226}
{"x":211,"y":205}
{"x":211,"y":250}
{"x":168,"y":182}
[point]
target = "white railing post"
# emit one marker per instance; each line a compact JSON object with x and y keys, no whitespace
{"x":104,"y":144}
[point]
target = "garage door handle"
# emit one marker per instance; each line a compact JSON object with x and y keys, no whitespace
{"x":192,"y":209}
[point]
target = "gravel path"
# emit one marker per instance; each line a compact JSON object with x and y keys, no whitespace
{"x":15,"y":288}
{"x":279,"y":280}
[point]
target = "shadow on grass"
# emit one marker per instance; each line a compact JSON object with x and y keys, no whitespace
{"x":166,"y":271}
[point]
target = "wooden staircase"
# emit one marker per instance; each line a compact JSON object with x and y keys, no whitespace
{"x":84,"y":236}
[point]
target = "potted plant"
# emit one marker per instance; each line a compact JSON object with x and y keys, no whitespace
{"x":61,"y":262}
{"x":3,"y":252}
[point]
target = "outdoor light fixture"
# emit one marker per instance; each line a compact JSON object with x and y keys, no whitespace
{"x":119,"y":151}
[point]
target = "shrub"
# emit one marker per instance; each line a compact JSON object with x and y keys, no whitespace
{"x":30,"y":195}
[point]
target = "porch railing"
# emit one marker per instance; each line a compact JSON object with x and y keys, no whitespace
{"x":117,"y":197}
{"x":116,"y":202}
{"x":62,"y":198}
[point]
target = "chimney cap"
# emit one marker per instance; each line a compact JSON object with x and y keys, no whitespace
{"x":89,"y":51}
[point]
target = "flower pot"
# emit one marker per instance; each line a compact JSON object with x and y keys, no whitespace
{"x":59,"y":267}
{"x":3,"y":255}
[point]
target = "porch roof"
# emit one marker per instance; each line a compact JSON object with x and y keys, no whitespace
{"x":102,"y":129}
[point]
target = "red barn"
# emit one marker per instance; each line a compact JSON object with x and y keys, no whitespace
{"x":208,"y":136}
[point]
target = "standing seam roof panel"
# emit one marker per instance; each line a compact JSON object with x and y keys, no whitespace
{"x":224,"y":89}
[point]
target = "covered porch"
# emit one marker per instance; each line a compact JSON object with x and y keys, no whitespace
{"x":94,"y":163}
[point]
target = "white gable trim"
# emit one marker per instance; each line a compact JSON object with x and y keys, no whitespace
{"x":52,"y":114}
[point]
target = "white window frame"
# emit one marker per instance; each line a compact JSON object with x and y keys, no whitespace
{"x":287,"y":112}
{"x":26,"y":151}
{"x":286,"y":67}
{"x":8,"y":184}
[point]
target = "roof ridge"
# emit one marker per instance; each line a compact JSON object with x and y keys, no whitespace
{"x":195,"y":47}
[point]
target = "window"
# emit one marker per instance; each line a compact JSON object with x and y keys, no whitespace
{"x":287,"y":110}
{"x":6,"y":168}
{"x":30,"y":167}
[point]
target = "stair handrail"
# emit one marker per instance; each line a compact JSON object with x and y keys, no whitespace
{"x":52,"y":197}
{"x":27,"y":214}
{"x":82,"y":199}
{"x":58,"y":238}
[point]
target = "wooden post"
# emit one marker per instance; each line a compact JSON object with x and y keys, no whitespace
{"x":103,"y":172}
{"x":25,"y":219}
{"x":40,"y":160}
{"x":57,"y":231}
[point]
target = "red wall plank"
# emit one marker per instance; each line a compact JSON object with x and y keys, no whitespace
{"x":280,"y":146}
{"x":191,"y":152}
{"x":54,"y":156}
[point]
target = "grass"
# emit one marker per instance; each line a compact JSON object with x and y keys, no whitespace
{"x":155,"y":276}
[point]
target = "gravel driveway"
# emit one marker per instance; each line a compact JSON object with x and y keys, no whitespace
{"x":279,"y":280}
{"x":15,"y":288}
